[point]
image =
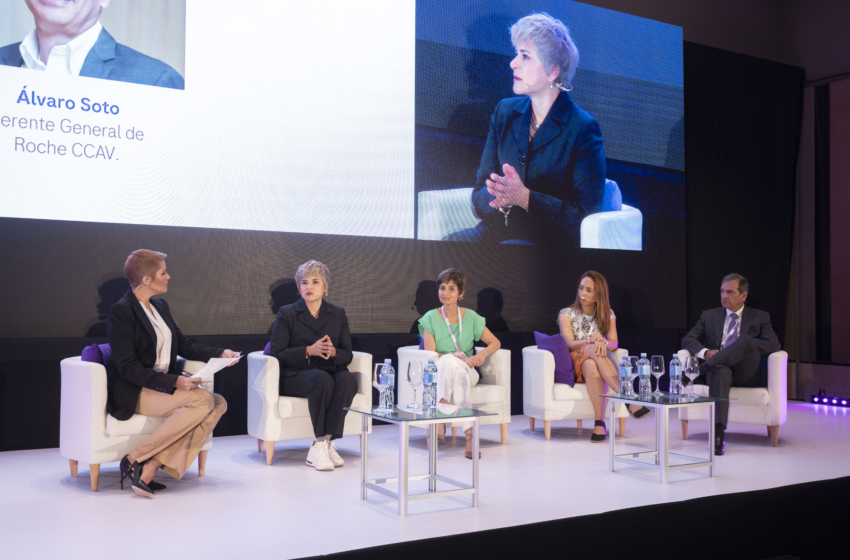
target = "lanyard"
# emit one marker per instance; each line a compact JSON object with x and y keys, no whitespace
{"x":459,"y":326}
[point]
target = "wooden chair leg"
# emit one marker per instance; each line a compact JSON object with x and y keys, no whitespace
{"x":73,"y":467}
{"x":260,"y":445}
{"x":531,"y":423}
{"x":454,"y":432}
{"x":684,"y":429}
{"x":547,"y":428}
{"x":202,"y":462}
{"x":578,"y":424}
{"x":504,"y":429}
{"x":773,"y":432}
{"x":94,"y":471}
{"x":269,"y":452}
{"x":622,"y":426}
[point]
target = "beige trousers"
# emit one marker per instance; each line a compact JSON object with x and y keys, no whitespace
{"x":191,"y":417}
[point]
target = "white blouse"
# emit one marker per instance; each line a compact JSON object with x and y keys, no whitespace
{"x":163,"y":339}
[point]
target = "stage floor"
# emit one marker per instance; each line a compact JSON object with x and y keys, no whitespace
{"x":242,"y":507}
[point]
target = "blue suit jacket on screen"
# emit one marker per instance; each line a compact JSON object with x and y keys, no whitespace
{"x":564,"y":167}
{"x":110,"y":60}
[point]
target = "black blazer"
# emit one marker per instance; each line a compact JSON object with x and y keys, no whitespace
{"x":133,"y":343}
{"x":295,"y":329}
{"x":708,"y":332}
{"x":564,"y":167}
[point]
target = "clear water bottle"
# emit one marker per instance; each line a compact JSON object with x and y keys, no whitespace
{"x":429,"y":399}
{"x":625,"y":377}
{"x":675,"y":375}
{"x":388,"y":370}
{"x":645,"y":374}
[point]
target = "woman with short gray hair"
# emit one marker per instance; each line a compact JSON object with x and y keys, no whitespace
{"x":543,"y":166}
{"x":312,"y":342}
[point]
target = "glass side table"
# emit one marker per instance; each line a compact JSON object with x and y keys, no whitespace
{"x":662,"y":405}
{"x":404,"y":419}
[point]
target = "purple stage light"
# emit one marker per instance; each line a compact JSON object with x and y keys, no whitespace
{"x":816,"y":399}
{"x":834,"y":401}
{"x":844,"y":403}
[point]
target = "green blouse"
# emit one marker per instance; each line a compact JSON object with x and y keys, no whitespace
{"x":473,"y":329}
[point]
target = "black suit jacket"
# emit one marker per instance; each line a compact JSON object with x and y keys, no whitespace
{"x":133,"y":343}
{"x":564,"y":167}
{"x":295,"y":329}
{"x":708,"y":332}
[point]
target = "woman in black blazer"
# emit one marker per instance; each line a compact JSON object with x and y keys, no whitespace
{"x":543,"y":166}
{"x":311,"y":340}
{"x":143,"y":376}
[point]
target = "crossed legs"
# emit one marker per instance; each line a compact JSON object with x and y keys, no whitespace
{"x":599,"y":371}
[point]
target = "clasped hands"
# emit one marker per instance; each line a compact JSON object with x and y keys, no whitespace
{"x":473,"y":361}
{"x":507,"y":190}
{"x":322,"y":347}
{"x":600,"y":345}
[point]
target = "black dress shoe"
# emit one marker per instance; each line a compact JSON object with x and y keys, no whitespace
{"x":156,"y":486}
{"x":720,"y":445}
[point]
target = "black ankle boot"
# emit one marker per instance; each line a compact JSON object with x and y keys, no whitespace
{"x":598,"y":438}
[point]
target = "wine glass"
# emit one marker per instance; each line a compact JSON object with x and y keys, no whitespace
{"x":656,"y":366}
{"x":414,"y":378}
{"x":692,"y":372}
{"x":380,"y":381}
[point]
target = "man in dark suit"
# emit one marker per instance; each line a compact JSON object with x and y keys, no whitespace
{"x":731,"y":341}
{"x":69,"y":39}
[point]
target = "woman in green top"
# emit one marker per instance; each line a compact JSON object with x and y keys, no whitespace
{"x":451,"y":331}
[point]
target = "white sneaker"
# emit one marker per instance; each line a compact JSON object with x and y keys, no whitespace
{"x":334,"y":456}
{"x":318,"y":457}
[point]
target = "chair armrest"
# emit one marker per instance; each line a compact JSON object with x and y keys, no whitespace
{"x":620,"y":229}
{"x":538,"y":380}
{"x":777,"y":387}
{"x":496,"y":369}
{"x":263,"y":394}
{"x":82,"y":414}
{"x":683,"y":355}
{"x":361,"y":367}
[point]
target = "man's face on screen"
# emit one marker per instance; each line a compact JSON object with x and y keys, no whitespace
{"x":529,"y":75}
{"x":68,"y":16}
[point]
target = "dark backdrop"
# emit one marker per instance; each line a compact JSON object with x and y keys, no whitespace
{"x":743,"y":121}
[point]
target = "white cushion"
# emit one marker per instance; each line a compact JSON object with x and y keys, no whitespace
{"x":758,"y":396}
{"x":484,"y":394}
{"x":564,"y":392}
{"x":138,"y":424}
{"x":296,"y":407}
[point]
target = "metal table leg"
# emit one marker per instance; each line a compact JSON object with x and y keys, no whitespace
{"x":611,"y":445}
{"x":432,"y":457}
{"x":364,"y":454}
{"x":663,"y":413}
{"x":657,"y":436}
{"x":403,"y":442}
{"x":475,"y":461}
{"x":711,"y":437}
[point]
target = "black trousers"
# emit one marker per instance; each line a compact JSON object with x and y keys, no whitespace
{"x":326,"y":394}
{"x":737,"y":365}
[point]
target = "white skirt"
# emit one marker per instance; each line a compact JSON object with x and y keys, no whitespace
{"x":455,"y":381}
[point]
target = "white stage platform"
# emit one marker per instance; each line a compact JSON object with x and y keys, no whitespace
{"x":244,"y":508}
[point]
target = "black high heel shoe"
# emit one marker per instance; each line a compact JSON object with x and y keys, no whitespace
{"x":127,"y":472}
{"x":139,"y":486}
{"x":639,"y":413}
{"x":599,"y":438}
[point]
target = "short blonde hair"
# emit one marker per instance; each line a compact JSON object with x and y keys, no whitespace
{"x":310,"y":268}
{"x":141,"y":263}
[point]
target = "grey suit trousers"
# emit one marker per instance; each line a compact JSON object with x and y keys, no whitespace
{"x":738,"y":364}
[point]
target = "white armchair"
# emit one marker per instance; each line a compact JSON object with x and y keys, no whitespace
{"x":762,"y":406}
{"x":88,"y":434}
{"x":491,"y":394}
{"x":272,"y":417}
{"x":543,"y":399}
